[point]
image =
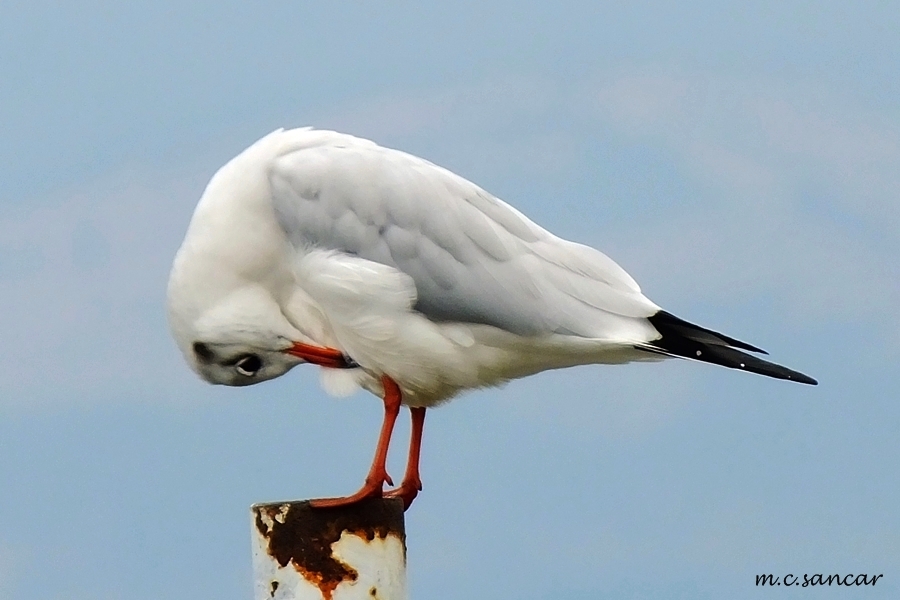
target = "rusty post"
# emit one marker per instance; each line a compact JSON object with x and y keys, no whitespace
{"x":353,"y":552}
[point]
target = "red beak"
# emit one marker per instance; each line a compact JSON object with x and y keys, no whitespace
{"x":324,"y":357}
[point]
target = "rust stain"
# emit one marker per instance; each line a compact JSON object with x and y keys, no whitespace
{"x":302,"y":535}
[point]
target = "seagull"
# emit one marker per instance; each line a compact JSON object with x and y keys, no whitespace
{"x":402,"y":278}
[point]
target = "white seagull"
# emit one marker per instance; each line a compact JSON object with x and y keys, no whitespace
{"x":400,"y":277}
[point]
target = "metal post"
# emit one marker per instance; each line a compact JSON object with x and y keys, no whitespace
{"x":355,"y":552}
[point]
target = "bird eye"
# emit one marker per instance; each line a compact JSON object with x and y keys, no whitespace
{"x":248,"y":365}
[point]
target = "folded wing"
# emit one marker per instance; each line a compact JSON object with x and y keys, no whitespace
{"x":471,"y":257}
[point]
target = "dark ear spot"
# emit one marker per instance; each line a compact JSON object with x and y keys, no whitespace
{"x":203,"y":352}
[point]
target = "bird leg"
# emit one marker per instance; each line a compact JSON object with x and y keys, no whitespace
{"x":411,"y":485}
{"x":378,"y":476}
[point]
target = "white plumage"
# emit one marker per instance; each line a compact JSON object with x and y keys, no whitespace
{"x":398,"y":276}
{"x":410,"y":270}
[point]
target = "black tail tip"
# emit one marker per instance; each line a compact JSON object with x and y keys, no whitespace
{"x":687,"y":340}
{"x":801,"y":378}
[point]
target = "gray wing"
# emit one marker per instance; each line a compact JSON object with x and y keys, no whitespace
{"x":473,"y":258}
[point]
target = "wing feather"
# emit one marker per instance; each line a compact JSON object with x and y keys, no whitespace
{"x":471,"y":257}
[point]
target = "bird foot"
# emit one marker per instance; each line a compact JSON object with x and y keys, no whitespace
{"x":372,"y":488}
{"x":407,"y":491}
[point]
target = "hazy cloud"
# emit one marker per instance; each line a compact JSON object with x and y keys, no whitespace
{"x":85,"y":272}
{"x":758,"y":135}
{"x":791,"y":167}
{"x":784,"y":169}
{"x":84,"y":288}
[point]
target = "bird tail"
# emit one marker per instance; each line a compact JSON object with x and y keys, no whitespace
{"x":686,"y":340}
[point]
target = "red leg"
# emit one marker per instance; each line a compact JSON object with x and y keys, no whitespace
{"x":412,"y":483}
{"x":378,"y":475}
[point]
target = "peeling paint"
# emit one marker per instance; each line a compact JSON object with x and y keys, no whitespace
{"x":317,"y":544}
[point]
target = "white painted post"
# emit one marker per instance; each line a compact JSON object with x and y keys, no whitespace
{"x":355,"y":552}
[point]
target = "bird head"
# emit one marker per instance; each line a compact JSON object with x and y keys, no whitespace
{"x":229,"y":281}
{"x":239,"y":340}
{"x":239,"y":363}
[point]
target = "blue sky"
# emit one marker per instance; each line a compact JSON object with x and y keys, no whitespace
{"x":741,"y":162}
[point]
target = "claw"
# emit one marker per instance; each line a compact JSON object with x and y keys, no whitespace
{"x":411,"y":485}
{"x":378,"y":475}
{"x":407,"y":492}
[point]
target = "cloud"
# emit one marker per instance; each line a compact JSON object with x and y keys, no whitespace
{"x":84,"y":280}
{"x":793,"y":184}
{"x":758,"y":135}
{"x":854,"y":151}
{"x":779,"y":142}
{"x":483,"y":130}
{"x":795,"y":189}
{"x":800,"y":184}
